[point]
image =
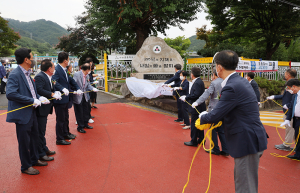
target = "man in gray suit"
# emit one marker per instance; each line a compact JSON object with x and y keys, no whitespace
{"x":214,"y":91}
{"x":81,"y":102}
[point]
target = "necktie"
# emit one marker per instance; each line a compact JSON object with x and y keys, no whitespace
{"x":294,"y":105}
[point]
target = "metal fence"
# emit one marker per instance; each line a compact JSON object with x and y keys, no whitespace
{"x":206,"y":72}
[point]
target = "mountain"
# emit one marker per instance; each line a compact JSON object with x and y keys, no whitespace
{"x":41,"y":30}
{"x":196,"y":44}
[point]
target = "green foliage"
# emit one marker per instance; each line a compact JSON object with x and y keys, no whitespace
{"x":180,"y":44}
{"x":8,"y":38}
{"x":38,"y":48}
{"x":196,"y":44}
{"x":210,"y":52}
{"x":139,"y":17}
{"x":261,"y":22}
{"x":274,"y":87}
{"x":41,"y":30}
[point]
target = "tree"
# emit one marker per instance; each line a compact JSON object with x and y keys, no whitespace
{"x":180,"y":44}
{"x":8,"y":38}
{"x":140,"y":17}
{"x":86,"y":39}
{"x":266,"y":22}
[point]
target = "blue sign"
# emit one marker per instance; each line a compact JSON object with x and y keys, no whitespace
{"x":253,"y":65}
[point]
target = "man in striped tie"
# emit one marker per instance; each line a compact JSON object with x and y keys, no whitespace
{"x":294,"y":113}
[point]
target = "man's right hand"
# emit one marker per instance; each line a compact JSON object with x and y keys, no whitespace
{"x":36,"y":103}
{"x":271,"y":97}
{"x":57,"y":95}
{"x":65,"y":91}
{"x":194,"y":104}
{"x":286,"y":122}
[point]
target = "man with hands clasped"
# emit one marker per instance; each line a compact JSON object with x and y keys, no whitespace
{"x":196,"y":91}
{"x":286,"y":103}
{"x":62,"y":83}
{"x":214,"y":92}
{"x":294,"y":114}
{"x":182,"y":90}
{"x":20,"y":92}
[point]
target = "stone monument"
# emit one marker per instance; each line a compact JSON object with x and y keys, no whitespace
{"x":155,"y":60}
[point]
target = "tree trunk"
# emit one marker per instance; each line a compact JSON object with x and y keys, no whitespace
{"x":270,"y":49}
{"x":141,"y":34}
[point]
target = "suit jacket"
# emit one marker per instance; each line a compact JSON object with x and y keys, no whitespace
{"x":78,"y":77}
{"x":256,"y":90}
{"x":2,"y":72}
{"x":19,"y":95}
{"x":286,"y":99}
{"x":176,"y":79}
{"x":289,"y":115}
{"x":196,"y":91}
{"x":239,"y":111}
{"x":43,"y":87}
{"x":62,"y":82}
{"x":214,"y":92}
{"x":185,"y":85}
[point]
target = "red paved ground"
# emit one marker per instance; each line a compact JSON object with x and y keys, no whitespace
{"x":134,"y":150}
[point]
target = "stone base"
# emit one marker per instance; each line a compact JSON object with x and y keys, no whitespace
{"x":141,"y":76}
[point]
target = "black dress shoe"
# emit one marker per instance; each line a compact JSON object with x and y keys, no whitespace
{"x":69,"y":137}
{"x":88,"y":127}
{"x":46,"y":158}
{"x":40,"y":163}
{"x":94,"y":107}
{"x":213,"y":152}
{"x":50,"y":152}
{"x":62,"y":142}
{"x":293,"y":157}
{"x":224,"y":154}
{"x":72,"y":135}
{"x":178,"y":120}
{"x":92,"y":117}
{"x":190,"y":144}
{"x":81,"y":131}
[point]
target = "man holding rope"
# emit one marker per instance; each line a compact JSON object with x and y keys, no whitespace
{"x":245,"y":135}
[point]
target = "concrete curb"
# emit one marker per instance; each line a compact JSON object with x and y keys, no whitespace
{"x":115,"y":95}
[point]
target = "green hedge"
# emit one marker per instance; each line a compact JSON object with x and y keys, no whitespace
{"x":274,"y":87}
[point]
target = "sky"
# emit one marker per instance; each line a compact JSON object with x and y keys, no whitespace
{"x":63,"y":12}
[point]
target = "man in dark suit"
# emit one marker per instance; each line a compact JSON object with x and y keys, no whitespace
{"x":20,"y":92}
{"x":196,"y":91}
{"x":286,"y":103}
{"x":176,"y":80}
{"x":250,"y":78}
{"x":294,"y":114}
{"x":81,"y":102}
{"x":45,"y":87}
{"x":3,"y":75}
{"x":62,"y":83}
{"x":245,"y":135}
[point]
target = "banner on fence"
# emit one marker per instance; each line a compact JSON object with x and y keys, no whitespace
{"x":257,"y":66}
{"x":120,"y":57}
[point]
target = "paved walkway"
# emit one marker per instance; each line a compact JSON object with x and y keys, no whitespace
{"x":134,"y":149}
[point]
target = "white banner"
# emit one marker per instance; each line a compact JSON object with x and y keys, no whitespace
{"x":120,"y":57}
{"x":257,"y":66}
{"x":146,"y":88}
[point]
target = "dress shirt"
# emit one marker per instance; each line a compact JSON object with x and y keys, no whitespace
{"x":192,"y":84}
{"x":226,"y":79}
{"x":250,"y":81}
{"x":84,"y":78}
{"x":27,"y":75}
{"x":65,"y":70}
{"x":49,"y":78}
{"x":297,"y":107}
